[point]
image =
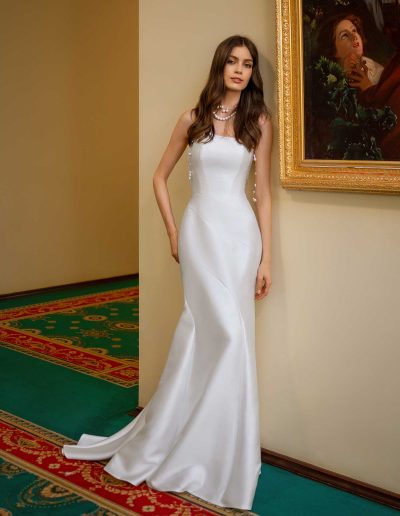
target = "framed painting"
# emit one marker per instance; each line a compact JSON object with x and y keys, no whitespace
{"x":339,"y":94}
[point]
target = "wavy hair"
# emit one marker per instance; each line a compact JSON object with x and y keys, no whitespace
{"x":251,"y":103}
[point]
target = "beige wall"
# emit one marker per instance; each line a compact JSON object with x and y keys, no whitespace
{"x":68,"y":141}
{"x":327,"y":335}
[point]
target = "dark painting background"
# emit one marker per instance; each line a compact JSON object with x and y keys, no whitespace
{"x":343,"y":122}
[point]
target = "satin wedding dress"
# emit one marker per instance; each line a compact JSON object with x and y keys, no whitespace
{"x":200,"y":430}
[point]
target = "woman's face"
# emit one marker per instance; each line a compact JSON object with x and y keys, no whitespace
{"x":347,"y":40}
{"x":238,"y":69}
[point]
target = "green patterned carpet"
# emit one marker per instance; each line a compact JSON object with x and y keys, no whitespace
{"x":26,"y":493}
{"x":58,"y":395}
{"x":111,"y":328}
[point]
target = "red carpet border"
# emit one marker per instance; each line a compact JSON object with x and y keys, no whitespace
{"x":38,"y":450}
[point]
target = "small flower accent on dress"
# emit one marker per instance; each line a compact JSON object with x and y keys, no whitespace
{"x":190,"y":164}
{"x":254,"y":187}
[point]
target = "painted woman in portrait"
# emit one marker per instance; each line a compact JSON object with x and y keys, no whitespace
{"x":350,"y":114}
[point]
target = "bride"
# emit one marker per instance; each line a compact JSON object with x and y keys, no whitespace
{"x":200,"y":430}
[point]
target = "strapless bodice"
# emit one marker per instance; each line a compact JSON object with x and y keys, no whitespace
{"x":219,"y":167}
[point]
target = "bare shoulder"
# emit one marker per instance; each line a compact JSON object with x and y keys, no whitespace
{"x":264,"y":121}
{"x":265,"y":142}
{"x":187,"y":118}
{"x":181,"y":127}
{"x":265,"y":125}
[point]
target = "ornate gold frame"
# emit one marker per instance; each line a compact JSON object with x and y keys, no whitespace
{"x":305,"y":174}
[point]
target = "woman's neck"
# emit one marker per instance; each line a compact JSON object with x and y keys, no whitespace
{"x":231,"y":98}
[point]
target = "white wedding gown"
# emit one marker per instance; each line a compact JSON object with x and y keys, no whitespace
{"x":200,"y":430}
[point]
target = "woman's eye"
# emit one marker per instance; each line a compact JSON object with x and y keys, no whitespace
{"x":231,"y":61}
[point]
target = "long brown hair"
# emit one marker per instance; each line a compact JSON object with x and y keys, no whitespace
{"x":251,"y":103}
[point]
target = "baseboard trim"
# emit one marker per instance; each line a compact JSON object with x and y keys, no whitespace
{"x":68,"y":285}
{"x":298,"y":467}
{"x":331,"y":478}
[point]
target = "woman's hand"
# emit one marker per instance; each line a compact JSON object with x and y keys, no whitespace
{"x":263,"y":281}
{"x":357,"y":72}
{"x":173,"y":239}
{"x":359,"y":80}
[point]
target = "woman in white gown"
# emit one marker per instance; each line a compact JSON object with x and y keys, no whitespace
{"x":200,"y":430}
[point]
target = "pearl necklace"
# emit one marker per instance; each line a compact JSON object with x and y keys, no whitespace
{"x":224,"y":110}
{"x":223,"y":118}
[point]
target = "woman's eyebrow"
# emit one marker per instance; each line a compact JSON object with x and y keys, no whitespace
{"x":231,"y":55}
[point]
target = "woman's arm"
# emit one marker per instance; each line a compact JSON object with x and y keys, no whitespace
{"x":172,"y":153}
{"x":264,"y":205}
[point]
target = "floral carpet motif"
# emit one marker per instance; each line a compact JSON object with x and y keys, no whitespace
{"x":95,"y":334}
{"x":59,"y":483}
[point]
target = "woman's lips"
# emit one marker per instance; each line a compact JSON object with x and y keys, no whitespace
{"x":236,"y":79}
